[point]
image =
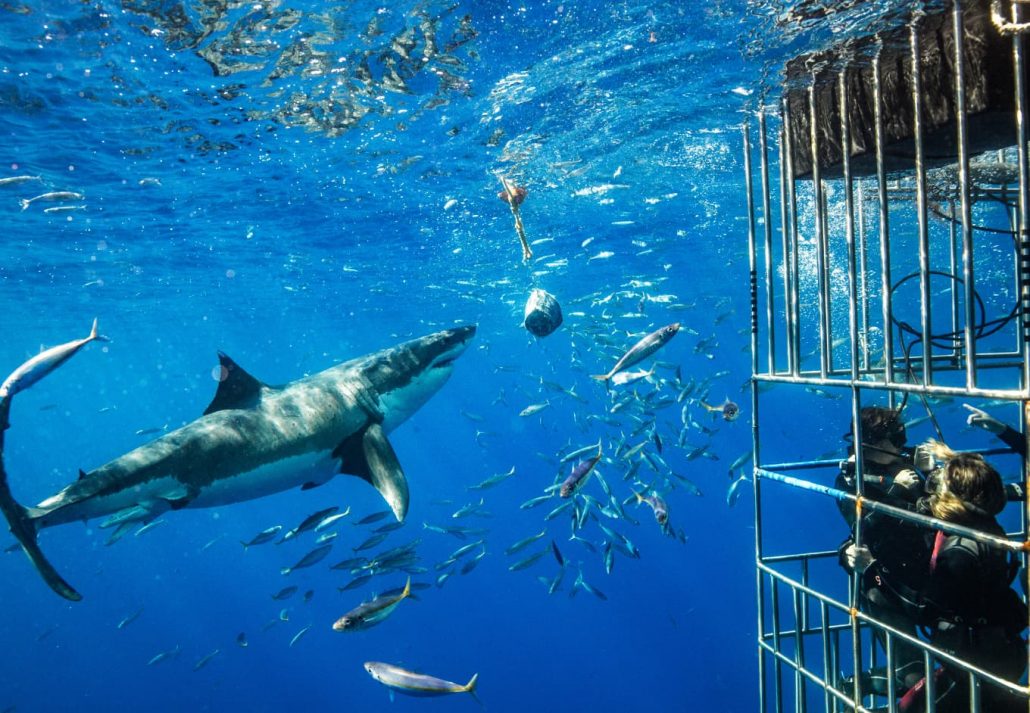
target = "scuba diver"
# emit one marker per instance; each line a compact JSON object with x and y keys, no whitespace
{"x":966,"y":602}
{"x":890,"y":477}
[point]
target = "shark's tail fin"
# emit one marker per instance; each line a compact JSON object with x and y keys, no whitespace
{"x":21,"y":524}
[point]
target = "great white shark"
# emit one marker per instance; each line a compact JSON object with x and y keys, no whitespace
{"x":254,"y":440}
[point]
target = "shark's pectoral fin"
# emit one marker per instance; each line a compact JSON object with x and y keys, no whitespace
{"x":369,"y":455}
{"x":236,"y":388}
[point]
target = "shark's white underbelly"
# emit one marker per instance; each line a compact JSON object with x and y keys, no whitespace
{"x":285,"y":474}
{"x":155,"y":497}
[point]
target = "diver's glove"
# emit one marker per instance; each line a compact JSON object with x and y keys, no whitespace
{"x":983,"y":420}
{"x":858,"y":559}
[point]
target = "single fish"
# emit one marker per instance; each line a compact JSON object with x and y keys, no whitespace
{"x":580,"y":452}
{"x":740,"y":461}
{"x":130,"y":618}
{"x":557,"y":554}
{"x":205,"y":660}
{"x":559,"y":510}
{"x":586,"y":586}
{"x":356,"y":582}
{"x":309,"y":523}
{"x":52,"y":196}
{"x":371,"y":541}
{"x":313,"y":557}
{"x":368,"y":614}
{"x":528,"y":561}
{"x":284,"y":593}
{"x":148,"y":527}
{"x":578,"y":477}
{"x":727,"y":408}
{"x":350,"y":563}
{"x":641,"y":350}
{"x":164,"y":656}
{"x":298,"y":635}
{"x":263,"y":537}
{"x":374,"y":517}
{"x":331,"y":520}
{"x":416,"y":684}
{"x":658,"y":505}
{"x":470,"y":509}
{"x":14,"y":180}
{"x":534,"y":408}
{"x":42,"y":364}
{"x":734,"y":490}
{"x":525,"y":542}
{"x":492,"y":480}
{"x":241,"y":638}
{"x":628,"y":377}
{"x":533,"y":502}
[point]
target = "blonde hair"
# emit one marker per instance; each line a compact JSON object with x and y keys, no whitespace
{"x":967,"y":487}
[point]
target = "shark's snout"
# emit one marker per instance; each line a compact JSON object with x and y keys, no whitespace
{"x":452,"y":344}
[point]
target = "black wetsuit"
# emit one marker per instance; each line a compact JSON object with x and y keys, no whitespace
{"x":901,"y":546}
{"x":970,"y":610}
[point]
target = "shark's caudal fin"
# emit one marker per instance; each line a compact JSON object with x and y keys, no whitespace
{"x":369,"y":455}
{"x":21,"y":525}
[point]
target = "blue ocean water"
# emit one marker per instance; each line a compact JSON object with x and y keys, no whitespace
{"x":296,"y":184}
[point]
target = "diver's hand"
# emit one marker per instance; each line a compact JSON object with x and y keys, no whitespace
{"x":909,"y":480}
{"x":858,"y":559}
{"x":983,"y":420}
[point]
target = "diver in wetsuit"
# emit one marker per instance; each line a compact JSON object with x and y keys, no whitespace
{"x":890,"y":477}
{"x":967,"y":601}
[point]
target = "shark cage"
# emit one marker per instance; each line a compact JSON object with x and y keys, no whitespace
{"x":888,"y":216}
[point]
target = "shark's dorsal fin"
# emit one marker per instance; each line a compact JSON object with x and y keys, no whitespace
{"x":82,"y":474}
{"x":369,"y":455}
{"x":237,"y":389}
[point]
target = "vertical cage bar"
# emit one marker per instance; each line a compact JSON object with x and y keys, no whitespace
{"x":930,"y":683}
{"x":1023,"y":222}
{"x":1023,"y":273}
{"x":792,"y":202}
{"x":799,"y":653}
{"x":849,"y":221}
{"x":885,"y":242}
{"x":766,"y":210}
{"x":924,"y":234}
{"x":863,"y":288}
{"x":788,"y":311}
{"x":828,"y":669}
{"x":956,"y":351}
{"x":777,"y":664}
{"x":820,"y":234}
{"x":753,"y":268}
{"x":891,"y":676}
{"x":964,"y":205}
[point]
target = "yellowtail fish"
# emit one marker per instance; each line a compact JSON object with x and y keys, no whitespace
{"x":534,"y":408}
{"x":727,"y":408}
{"x":204,"y":661}
{"x":368,"y":614}
{"x":43,"y":363}
{"x":661,"y":510}
{"x":52,"y":196}
{"x":641,"y":350}
{"x":263,"y":536}
{"x":578,"y":477}
{"x":416,"y":684}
